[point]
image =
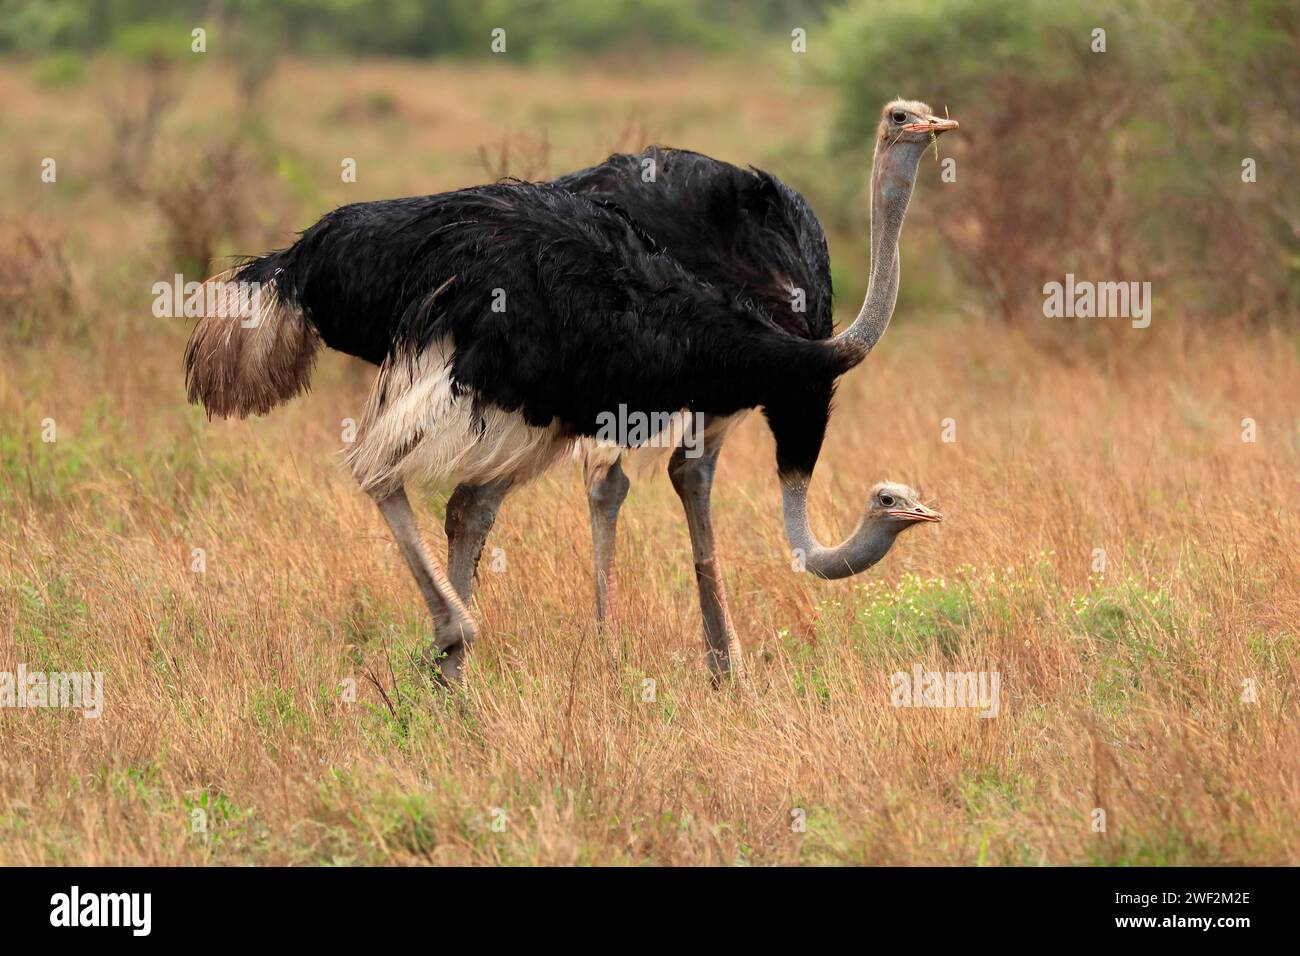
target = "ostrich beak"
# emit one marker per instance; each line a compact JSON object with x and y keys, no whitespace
{"x":932,"y":124}
{"x":916,"y":513}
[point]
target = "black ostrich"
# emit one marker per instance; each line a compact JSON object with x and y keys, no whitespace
{"x":507,"y":318}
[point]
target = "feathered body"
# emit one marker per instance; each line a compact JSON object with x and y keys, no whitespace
{"x":506,"y":318}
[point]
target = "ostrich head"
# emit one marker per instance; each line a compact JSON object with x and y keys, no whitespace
{"x":897,"y":507}
{"x":908,"y":121}
{"x":906,"y":129}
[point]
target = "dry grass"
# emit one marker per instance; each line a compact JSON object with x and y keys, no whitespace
{"x":223,"y":689}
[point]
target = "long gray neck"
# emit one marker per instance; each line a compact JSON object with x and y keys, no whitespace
{"x":867,"y":545}
{"x":893,"y":174}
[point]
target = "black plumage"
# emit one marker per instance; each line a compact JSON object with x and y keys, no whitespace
{"x":657,"y":296}
{"x":742,"y":230}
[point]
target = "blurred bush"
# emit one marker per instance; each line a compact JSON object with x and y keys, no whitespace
{"x":61,"y":69}
{"x":38,"y":290}
{"x":534,"y":30}
{"x":209,"y":206}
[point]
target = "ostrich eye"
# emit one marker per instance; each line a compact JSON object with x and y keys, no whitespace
{"x":900,"y":116}
{"x":887,"y":500}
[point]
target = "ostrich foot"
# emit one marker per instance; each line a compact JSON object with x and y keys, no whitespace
{"x":445,"y":657}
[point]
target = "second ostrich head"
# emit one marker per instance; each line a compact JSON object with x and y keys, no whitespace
{"x":891,"y":510}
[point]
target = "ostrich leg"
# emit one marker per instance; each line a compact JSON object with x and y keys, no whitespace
{"x":453,"y":629}
{"x":692,"y":478}
{"x":471,"y":510}
{"x":605,"y":493}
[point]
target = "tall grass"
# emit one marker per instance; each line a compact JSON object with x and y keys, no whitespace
{"x":274,"y":697}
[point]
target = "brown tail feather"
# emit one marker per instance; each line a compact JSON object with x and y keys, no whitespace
{"x":247,"y":366}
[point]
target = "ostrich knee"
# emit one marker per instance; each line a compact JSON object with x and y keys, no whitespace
{"x":692,"y":478}
{"x":605,"y":496}
{"x":471,"y":513}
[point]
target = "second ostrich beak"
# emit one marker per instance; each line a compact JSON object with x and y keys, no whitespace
{"x":932,"y":124}
{"x":916,"y":513}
